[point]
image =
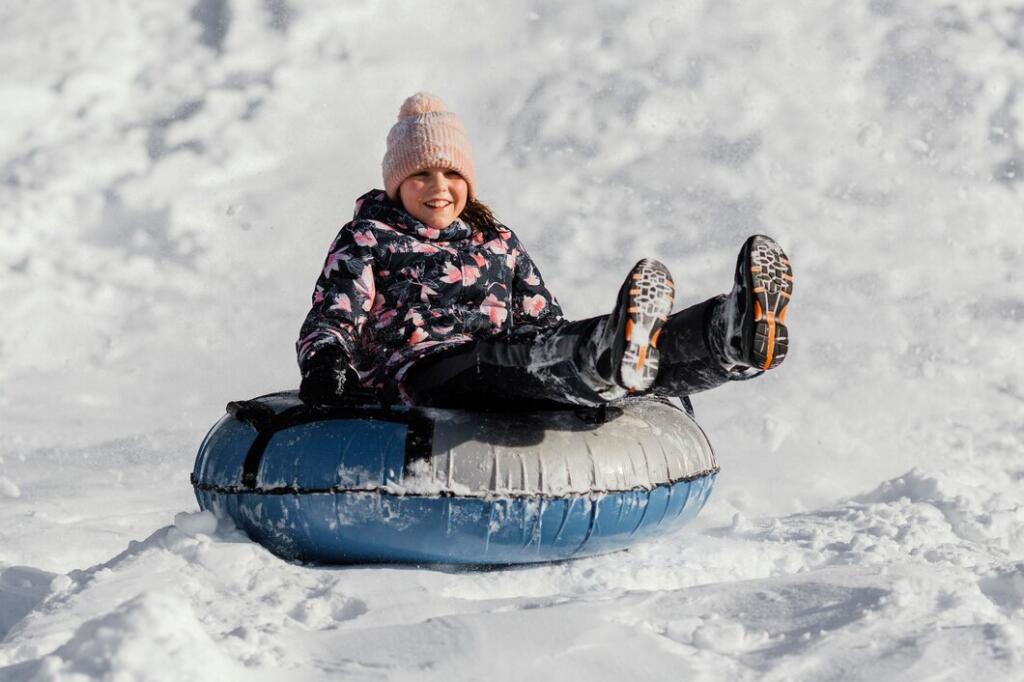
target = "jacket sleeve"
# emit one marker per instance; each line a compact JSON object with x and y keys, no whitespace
{"x":533,"y":306}
{"x":343,"y":296}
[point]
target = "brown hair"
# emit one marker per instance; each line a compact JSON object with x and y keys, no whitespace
{"x":480,"y":217}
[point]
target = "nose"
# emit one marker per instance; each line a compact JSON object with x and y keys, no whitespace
{"x":440,"y":180}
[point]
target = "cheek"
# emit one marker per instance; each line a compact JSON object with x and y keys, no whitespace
{"x":409,"y":194}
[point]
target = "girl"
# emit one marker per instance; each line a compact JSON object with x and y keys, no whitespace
{"x":427,"y":299}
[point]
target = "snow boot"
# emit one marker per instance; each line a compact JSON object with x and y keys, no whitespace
{"x":627,"y":347}
{"x":747,"y":329}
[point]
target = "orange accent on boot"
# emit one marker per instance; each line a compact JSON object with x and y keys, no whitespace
{"x":771,"y":341}
{"x":782,"y":315}
{"x":654,"y":338}
{"x":642,"y":357}
{"x":629,"y":329}
{"x":758,"y":313}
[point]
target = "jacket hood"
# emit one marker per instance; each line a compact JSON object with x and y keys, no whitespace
{"x":375,"y":205}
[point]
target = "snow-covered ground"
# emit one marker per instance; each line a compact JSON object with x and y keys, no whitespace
{"x":170,"y":178}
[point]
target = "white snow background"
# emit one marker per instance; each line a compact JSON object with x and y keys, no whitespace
{"x":171,"y":175}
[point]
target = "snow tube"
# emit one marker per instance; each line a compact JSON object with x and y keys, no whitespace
{"x":373,"y":483}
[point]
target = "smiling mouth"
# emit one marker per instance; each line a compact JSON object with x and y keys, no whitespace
{"x":437,"y":204}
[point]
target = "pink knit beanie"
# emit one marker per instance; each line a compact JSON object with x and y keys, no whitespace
{"x":426,"y":135}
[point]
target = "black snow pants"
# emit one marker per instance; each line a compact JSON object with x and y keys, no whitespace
{"x":547,"y":370}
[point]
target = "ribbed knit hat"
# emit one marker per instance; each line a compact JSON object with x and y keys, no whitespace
{"x":425,"y":136}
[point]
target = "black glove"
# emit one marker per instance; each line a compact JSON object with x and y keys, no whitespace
{"x":323,"y":377}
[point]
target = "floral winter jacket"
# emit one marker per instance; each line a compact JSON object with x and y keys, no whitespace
{"x":394,"y":291}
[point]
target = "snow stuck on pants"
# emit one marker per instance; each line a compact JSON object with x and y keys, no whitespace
{"x":170,"y":180}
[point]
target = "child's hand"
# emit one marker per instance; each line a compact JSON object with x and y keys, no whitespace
{"x":323,"y":378}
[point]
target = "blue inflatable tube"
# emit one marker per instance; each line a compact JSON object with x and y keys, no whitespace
{"x":367,"y":483}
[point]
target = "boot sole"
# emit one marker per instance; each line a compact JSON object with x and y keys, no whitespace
{"x":769,"y":283}
{"x":648,"y":304}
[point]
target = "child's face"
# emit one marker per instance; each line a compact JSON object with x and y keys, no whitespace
{"x":434,"y":196}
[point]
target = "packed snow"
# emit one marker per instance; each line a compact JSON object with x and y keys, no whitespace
{"x":171,"y":176}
